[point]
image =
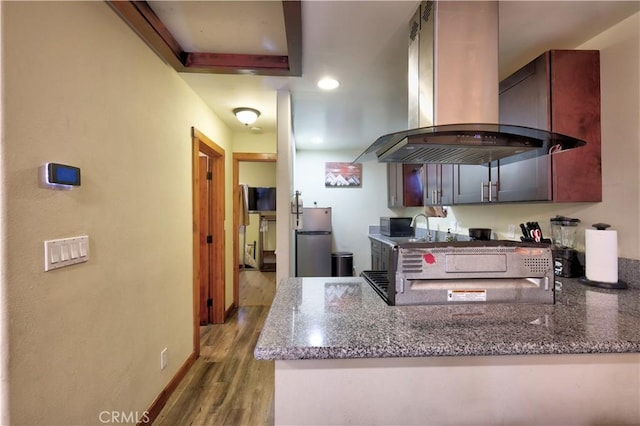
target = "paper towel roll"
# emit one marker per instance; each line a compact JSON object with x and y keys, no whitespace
{"x":601,"y":255}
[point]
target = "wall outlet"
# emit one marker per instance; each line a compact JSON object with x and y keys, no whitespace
{"x":163,"y":359}
{"x":511,"y":232}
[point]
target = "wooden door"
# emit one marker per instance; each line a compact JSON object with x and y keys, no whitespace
{"x":208,"y":253}
{"x":204,"y":193}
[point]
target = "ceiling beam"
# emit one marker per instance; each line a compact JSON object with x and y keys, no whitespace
{"x":247,"y":64}
{"x":293,"y":30}
{"x":139,"y":16}
{"x":143,"y":20}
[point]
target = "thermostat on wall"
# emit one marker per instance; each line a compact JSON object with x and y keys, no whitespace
{"x":60,"y":176}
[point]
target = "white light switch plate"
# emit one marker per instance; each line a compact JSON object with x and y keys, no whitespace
{"x":163,"y":359}
{"x":65,"y":252}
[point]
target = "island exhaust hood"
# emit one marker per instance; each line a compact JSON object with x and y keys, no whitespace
{"x":453,"y":94}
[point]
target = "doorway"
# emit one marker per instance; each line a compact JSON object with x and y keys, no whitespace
{"x":239,"y":157}
{"x":208,"y":233}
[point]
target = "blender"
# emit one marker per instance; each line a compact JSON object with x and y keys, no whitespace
{"x":565,"y":255}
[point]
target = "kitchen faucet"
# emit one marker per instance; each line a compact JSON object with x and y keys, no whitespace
{"x":414,"y":224}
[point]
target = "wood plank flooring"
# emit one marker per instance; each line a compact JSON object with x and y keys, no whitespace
{"x":226,"y":385}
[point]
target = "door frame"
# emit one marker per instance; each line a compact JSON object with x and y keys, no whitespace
{"x":200,"y":143}
{"x":237,"y":158}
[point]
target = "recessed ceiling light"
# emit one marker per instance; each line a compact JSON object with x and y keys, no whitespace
{"x":328,"y":83}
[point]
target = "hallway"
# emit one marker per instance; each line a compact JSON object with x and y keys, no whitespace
{"x":226,"y":385}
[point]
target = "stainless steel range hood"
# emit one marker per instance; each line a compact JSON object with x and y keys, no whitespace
{"x":467,"y":144}
{"x":453,"y":93}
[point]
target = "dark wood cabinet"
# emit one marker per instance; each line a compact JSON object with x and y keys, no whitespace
{"x":525,"y":179}
{"x":438,"y":184}
{"x":473,"y":184}
{"x":413,"y":184}
{"x":381,"y":255}
{"x":416,"y":185}
{"x":558,"y":91}
{"x":376,"y":255}
{"x":518,"y":179}
{"x":405,"y":185}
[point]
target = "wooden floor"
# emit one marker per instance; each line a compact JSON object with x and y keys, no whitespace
{"x":226,"y":385}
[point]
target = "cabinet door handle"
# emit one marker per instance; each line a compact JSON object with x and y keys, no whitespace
{"x":490,"y":185}
{"x":423,"y":181}
{"x":437,"y":196}
{"x":489,"y":191}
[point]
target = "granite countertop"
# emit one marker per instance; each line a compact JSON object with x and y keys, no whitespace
{"x":342,"y":317}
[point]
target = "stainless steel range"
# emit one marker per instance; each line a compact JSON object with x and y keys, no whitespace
{"x":466,"y":272}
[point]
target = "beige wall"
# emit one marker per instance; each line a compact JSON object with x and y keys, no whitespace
{"x":284,"y":183}
{"x":81,"y":88}
{"x":258,"y":174}
{"x":4,"y":311}
{"x":247,"y":141}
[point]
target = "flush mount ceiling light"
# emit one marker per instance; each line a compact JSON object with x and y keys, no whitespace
{"x":328,"y":83}
{"x":246,"y":115}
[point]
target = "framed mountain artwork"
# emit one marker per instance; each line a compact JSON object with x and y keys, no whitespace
{"x":343,"y":175}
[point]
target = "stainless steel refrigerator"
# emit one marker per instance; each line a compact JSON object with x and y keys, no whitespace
{"x":313,"y":243}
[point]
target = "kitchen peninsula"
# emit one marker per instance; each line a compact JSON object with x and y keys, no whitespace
{"x":342,"y":356}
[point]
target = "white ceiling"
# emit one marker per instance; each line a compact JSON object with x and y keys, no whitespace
{"x":361,"y":43}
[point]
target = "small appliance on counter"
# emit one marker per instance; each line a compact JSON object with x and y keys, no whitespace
{"x":601,"y":258}
{"x":396,"y":227}
{"x":565,"y":255}
{"x":482,"y":234}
